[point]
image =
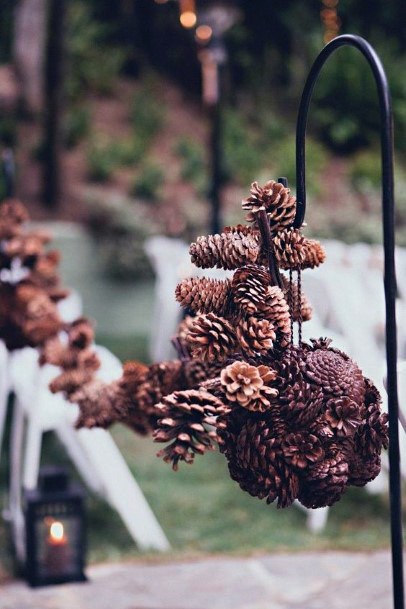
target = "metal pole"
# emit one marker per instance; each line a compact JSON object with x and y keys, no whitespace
{"x":8,"y":170}
{"x":388,"y":208}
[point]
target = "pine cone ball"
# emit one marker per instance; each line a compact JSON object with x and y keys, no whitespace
{"x":289,"y":248}
{"x":186,"y":421}
{"x":211,"y":338}
{"x":324,"y":483}
{"x":256,"y":336}
{"x":363,"y":469}
{"x":335,"y":372}
{"x":229,"y":250}
{"x":203,"y":295}
{"x":277,"y":201}
{"x":250,"y":287}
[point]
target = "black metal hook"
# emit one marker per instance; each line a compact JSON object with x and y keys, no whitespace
{"x":388,"y":206}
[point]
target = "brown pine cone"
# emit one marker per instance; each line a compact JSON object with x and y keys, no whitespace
{"x":289,"y":248}
{"x":203,"y":295}
{"x":343,"y":416}
{"x":255,"y":336}
{"x":229,"y":250}
{"x":248,"y":386}
{"x":186,"y":420}
{"x":96,"y":401}
{"x":324,"y":483}
{"x":363,"y":469}
{"x":335,"y":372}
{"x":12,"y":215}
{"x":302,"y":449}
{"x":291,"y":292}
{"x":315,"y":254}
{"x":70,"y":381}
{"x":301,"y":402}
{"x":250,"y":287}
{"x":257,"y":467}
{"x":211,"y":338}
{"x":277,"y":201}
{"x":372,"y":435}
{"x":81,"y":333}
{"x":276,"y":310}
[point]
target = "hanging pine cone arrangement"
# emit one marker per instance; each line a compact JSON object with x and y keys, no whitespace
{"x":295,"y":422}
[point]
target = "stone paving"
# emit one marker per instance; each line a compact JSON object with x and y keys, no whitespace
{"x":331,"y":580}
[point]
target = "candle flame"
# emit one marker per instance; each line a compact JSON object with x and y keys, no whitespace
{"x":56,"y":530}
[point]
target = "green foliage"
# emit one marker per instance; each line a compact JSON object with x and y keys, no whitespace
{"x":193,"y":168}
{"x":101,"y":161}
{"x":148,"y":183}
{"x":77,"y":125}
{"x":94,"y":65}
{"x":365,"y":171}
{"x":346,"y":111}
{"x":243,"y":157}
{"x":147,"y":113}
{"x":104,"y":156}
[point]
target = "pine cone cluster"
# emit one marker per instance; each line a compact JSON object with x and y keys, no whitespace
{"x":293,"y":422}
{"x":314,"y":438}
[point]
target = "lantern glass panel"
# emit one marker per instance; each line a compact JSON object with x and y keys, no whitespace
{"x":59,"y":546}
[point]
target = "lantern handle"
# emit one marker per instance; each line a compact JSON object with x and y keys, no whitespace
{"x":388,"y":207}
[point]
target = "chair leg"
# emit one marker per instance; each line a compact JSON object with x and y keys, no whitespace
{"x":122,"y":491}
{"x":32,"y":456}
{"x":317,"y":519}
{"x":14,"y":513}
{"x":69,"y":438}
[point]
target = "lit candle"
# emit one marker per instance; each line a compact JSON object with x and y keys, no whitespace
{"x":57,"y":550}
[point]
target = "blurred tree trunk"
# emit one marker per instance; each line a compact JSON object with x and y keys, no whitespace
{"x":53,"y":93}
{"x":28,"y":51}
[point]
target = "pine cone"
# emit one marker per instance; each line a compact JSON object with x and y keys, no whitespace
{"x":250,"y":287}
{"x":300,"y":402}
{"x":203,"y":295}
{"x":302,"y":449}
{"x":363,"y":469}
{"x":247,"y":385}
{"x":229,"y":250}
{"x":343,"y":416}
{"x":276,"y":310}
{"x":211,"y":338}
{"x":324,"y":483}
{"x":70,"y":381}
{"x":289,"y":248}
{"x":291,"y":292}
{"x":257,"y":466}
{"x":80,"y":333}
{"x":335,"y":372}
{"x":315,"y":254}
{"x":255,"y":336}
{"x":12,"y":215}
{"x":96,"y":400}
{"x":186,"y":421}
{"x":277,"y":201}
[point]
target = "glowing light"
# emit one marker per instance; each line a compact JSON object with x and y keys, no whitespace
{"x":204,"y":33}
{"x":188,"y":19}
{"x":330,"y":19}
{"x":56,"y":531}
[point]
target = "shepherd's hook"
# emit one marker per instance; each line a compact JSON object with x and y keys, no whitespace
{"x":388,"y":207}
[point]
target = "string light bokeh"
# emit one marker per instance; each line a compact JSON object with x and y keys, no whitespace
{"x":330,"y":20}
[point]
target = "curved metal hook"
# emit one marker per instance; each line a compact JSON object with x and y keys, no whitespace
{"x":388,"y":207}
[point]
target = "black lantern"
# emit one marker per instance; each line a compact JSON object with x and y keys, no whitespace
{"x":55,"y":530}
